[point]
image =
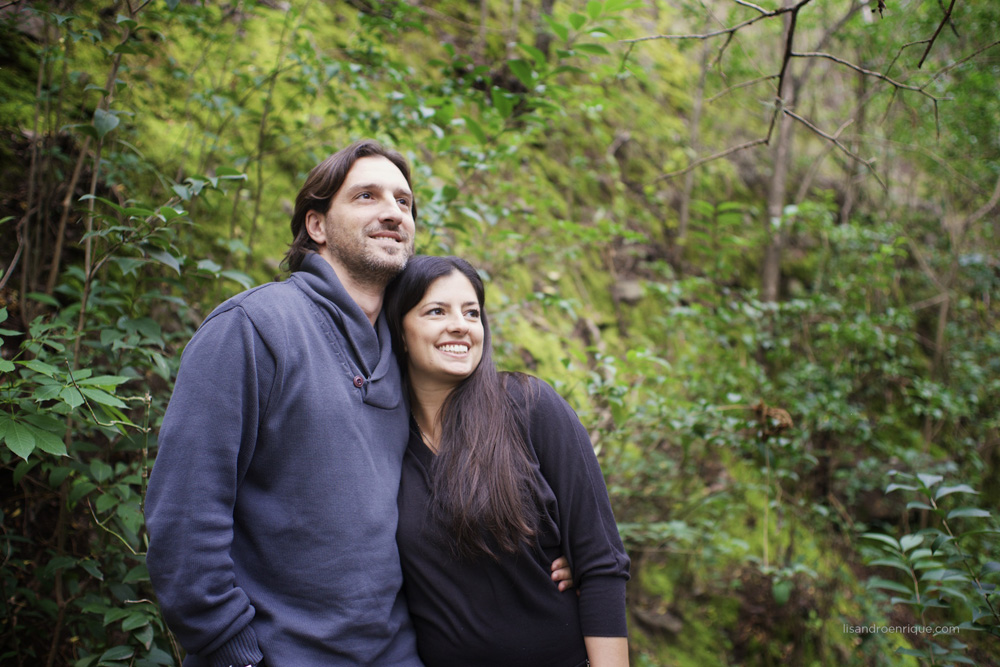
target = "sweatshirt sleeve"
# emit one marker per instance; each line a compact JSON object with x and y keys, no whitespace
{"x":589,"y":532}
{"x":205,"y":444}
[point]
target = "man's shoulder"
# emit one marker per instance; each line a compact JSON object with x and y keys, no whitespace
{"x":267,"y":300}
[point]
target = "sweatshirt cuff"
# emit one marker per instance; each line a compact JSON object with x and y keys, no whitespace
{"x":239,"y":651}
{"x":602,"y":607}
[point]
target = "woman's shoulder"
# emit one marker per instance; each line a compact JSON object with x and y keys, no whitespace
{"x":534,"y":394}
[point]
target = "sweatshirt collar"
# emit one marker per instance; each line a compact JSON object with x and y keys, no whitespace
{"x":368,"y":345}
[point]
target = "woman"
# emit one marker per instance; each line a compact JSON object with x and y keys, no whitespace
{"x":498,"y":480}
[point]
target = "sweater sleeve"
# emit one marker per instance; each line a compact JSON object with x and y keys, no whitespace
{"x":206,"y":442}
{"x":589,"y":532}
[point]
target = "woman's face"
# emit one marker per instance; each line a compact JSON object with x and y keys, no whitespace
{"x":443,"y":333}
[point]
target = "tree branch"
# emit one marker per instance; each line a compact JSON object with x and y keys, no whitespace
{"x":867,"y":72}
{"x":741,"y":85}
{"x":836,"y":142}
{"x":751,"y":6}
{"x":930,"y":45}
{"x":715,"y":156}
{"x":725,"y":31}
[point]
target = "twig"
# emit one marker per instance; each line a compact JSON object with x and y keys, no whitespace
{"x":787,"y":57}
{"x":740,"y":85}
{"x":103,"y":527}
{"x":714,"y":156}
{"x":959,"y":62}
{"x":862,"y":70}
{"x":750,"y":5}
{"x":17,"y":255}
{"x":944,"y":21}
{"x":892,"y":63}
{"x":836,"y":142}
{"x":724,"y":31}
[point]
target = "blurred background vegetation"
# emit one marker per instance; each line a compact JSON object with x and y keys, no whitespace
{"x":756,"y":245}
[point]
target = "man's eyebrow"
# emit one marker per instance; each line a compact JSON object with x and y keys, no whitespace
{"x":376,"y":186}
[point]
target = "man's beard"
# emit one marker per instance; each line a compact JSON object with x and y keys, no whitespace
{"x":365,"y":264}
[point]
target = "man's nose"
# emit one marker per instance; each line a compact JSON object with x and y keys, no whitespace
{"x":390,"y":211}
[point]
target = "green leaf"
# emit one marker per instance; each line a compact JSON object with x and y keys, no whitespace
{"x":117,"y":653}
{"x":102,"y":397}
{"x":883,"y":538}
{"x":476,"y":129}
{"x":72,"y":397}
{"x":536,"y":54}
{"x":134,"y":621}
{"x":80,"y":490}
{"x":104,"y":122}
{"x":929,"y":480}
{"x":163,"y":257}
{"x":594,"y":49}
{"x":145,"y":637}
{"x":40,"y":367}
{"x":48,"y":441}
{"x":501,"y":103}
{"x":892,"y":487}
{"x":100,"y":470}
{"x":897,"y":563}
{"x":238,"y":276}
{"x":577,"y":20}
{"x":594,"y":8}
{"x":136,"y":574}
{"x":878,"y":582}
{"x":781,"y":591}
{"x":105,"y":380}
{"x":6,"y":366}
{"x":160,"y":657}
{"x":92,"y":569}
{"x":917,"y":505}
{"x":19,"y":439}
{"x":522,"y":70}
{"x":968,"y":512}
{"x":561,"y":31}
{"x":959,"y":488}
{"x":105,"y":503}
{"x":908,"y":542}
{"x":22,"y":469}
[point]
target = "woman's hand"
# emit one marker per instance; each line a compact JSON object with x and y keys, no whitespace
{"x":561,"y":574}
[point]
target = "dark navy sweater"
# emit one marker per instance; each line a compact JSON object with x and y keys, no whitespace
{"x":272,"y":504}
{"x":508,"y":613}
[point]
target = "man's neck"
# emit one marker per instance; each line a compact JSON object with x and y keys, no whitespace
{"x":367,"y":294}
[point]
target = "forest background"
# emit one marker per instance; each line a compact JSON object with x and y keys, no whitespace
{"x":755,"y":245}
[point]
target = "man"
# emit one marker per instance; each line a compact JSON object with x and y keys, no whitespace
{"x":271,"y":509}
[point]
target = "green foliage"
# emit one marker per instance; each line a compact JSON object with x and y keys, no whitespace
{"x":945,"y":565}
{"x":744,"y":442}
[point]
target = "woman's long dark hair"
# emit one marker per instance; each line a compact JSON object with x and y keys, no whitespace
{"x":482,"y":477}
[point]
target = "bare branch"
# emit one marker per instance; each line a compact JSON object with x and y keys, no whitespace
{"x":986,"y":208}
{"x":836,"y":141}
{"x":741,"y":85}
{"x":714,"y":156}
{"x":17,"y":255}
{"x":786,"y":57}
{"x":899,"y":53}
{"x":944,"y":21}
{"x":751,"y":6}
{"x":959,"y":62}
{"x":862,"y":70}
{"x":725,"y":31}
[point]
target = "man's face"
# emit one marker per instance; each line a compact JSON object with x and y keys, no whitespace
{"x":368,"y":230}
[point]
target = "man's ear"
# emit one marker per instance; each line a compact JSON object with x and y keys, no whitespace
{"x":315,"y":228}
